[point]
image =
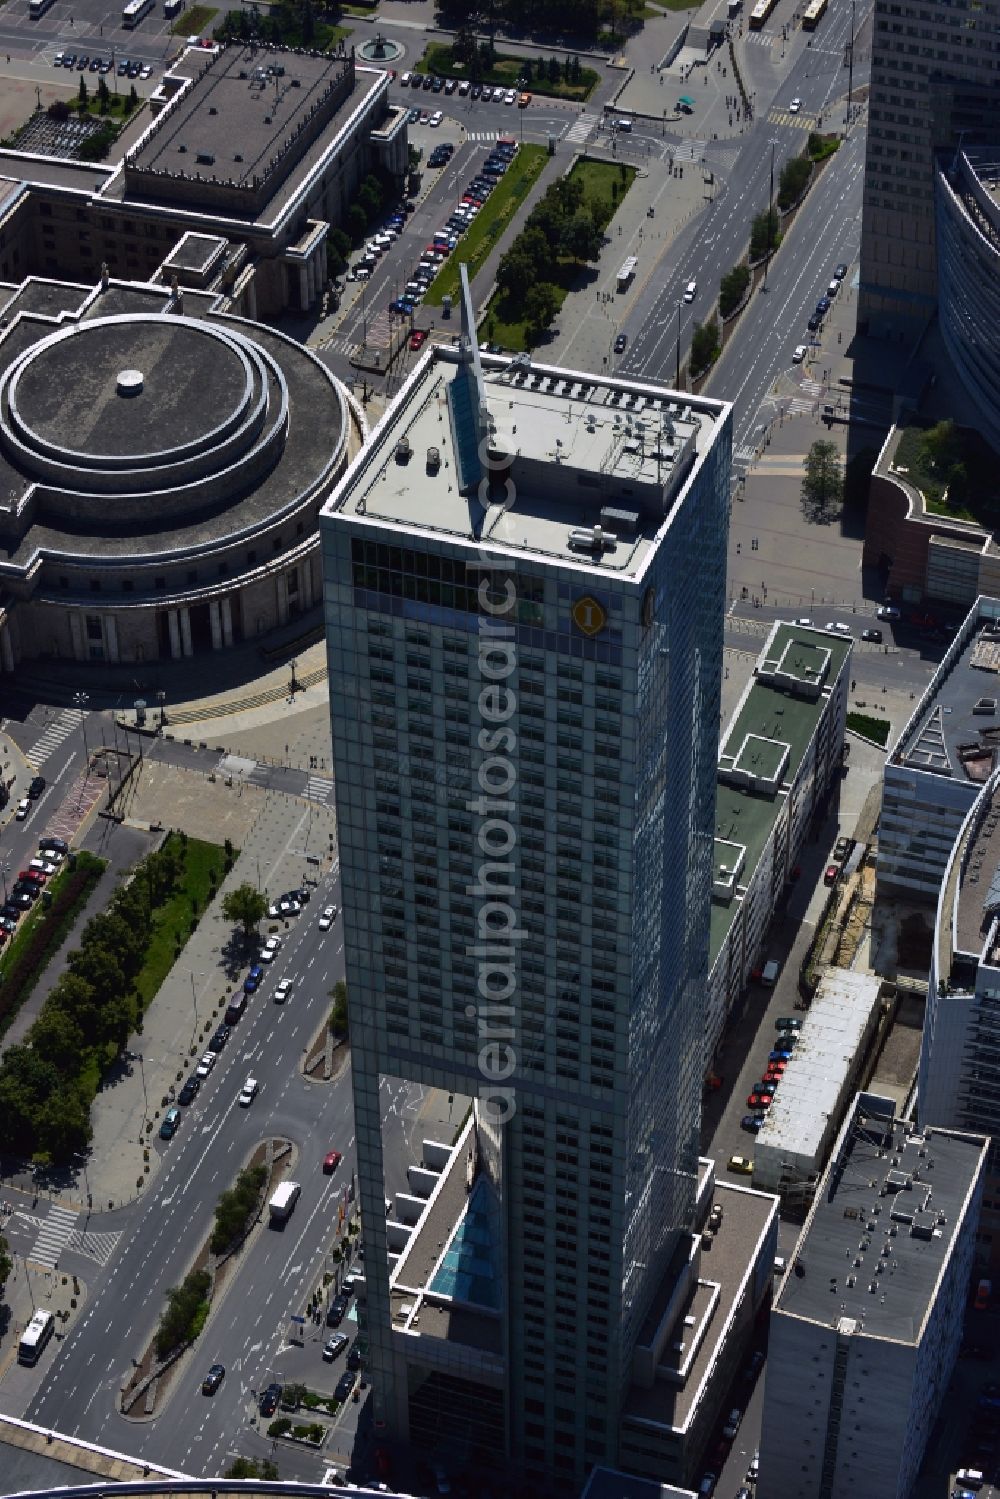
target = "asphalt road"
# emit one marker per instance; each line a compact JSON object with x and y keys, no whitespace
{"x":160,"y":1235}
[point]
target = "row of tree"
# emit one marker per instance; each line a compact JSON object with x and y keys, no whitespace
{"x":185,"y":1313}
{"x":236,"y":1209}
{"x":47,"y":1083}
{"x":563,"y":226}
{"x":292,"y":23}
{"x":478,"y":59}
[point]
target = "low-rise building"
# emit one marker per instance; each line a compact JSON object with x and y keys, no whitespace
{"x":162,"y":467}
{"x":937,"y":768}
{"x":259,"y":148}
{"x":820,"y":1076}
{"x":867,"y":1321}
{"x":778,"y":759}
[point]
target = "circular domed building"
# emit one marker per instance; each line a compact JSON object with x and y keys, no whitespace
{"x":162,"y":467}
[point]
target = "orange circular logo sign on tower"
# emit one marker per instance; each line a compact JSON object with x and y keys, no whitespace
{"x":588,"y":616}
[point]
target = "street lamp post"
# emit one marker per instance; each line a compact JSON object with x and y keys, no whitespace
{"x":161,"y":698}
{"x":142,"y":1074}
{"x":770,"y":210}
{"x":677,"y":381}
{"x":194,"y":1006}
{"x":80,"y":701}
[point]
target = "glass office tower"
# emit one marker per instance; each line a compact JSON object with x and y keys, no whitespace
{"x":525,"y":579}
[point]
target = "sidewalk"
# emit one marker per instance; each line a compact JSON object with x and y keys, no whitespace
{"x":193,"y":996}
{"x":16,"y":774}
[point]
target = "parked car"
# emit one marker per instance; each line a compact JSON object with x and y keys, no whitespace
{"x":620,"y":343}
{"x":887,"y":611}
{"x":335,"y":1345}
{"x":752,"y":1123}
{"x":337,"y":1310}
{"x":252,"y":981}
{"x":831,"y":874}
{"x":345,"y":1386}
{"x":190,"y":1090}
{"x":23,"y":808}
{"x":220,"y":1038}
{"x":270,"y":950}
{"x":171,"y":1120}
{"x":690,"y":291}
{"x":732,"y":1425}
{"x":758,"y":1100}
{"x":52,"y":845}
{"x":206,"y":1064}
{"x":742,"y":1166}
{"x":875,"y":636}
{"x":789,"y":1022}
{"x":840,"y":271}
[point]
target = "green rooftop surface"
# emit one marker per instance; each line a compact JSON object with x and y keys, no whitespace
{"x":740,"y":815}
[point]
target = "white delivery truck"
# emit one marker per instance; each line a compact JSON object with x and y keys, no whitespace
{"x":282,"y":1201}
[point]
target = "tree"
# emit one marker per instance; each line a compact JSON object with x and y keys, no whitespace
{"x":704,"y":344}
{"x":357,"y":223}
{"x":540,"y":307}
{"x":110,"y":930}
{"x":823,"y":484}
{"x":58,"y":1036}
{"x":308,"y":23}
{"x":516,"y":274}
{"x":581,"y":237}
{"x":794,"y":178}
{"x":6,"y":1262}
{"x":464,"y":48}
{"x":759,"y":233}
{"x":103,"y":95}
{"x":184,"y":1314}
{"x":252,"y":1467}
{"x":732,"y":289}
{"x":63,"y":1125}
{"x":554,"y":70}
{"x":81,"y":97}
{"x":246,"y":906}
{"x":339,"y":1014}
{"x":941,"y":448}
{"x":98,"y":966}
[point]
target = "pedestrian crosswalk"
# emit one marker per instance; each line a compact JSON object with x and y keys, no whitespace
{"x":690,"y":150}
{"x":784,"y":117}
{"x":581,"y":129}
{"x":799,"y":407}
{"x":811,"y":387}
{"x":99,"y":1247}
{"x":53,"y":1236}
{"x":488,"y":137}
{"x":744,"y":455}
{"x":318,"y":788}
{"x":53,"y":737}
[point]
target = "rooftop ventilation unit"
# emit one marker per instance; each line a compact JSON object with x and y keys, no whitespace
{"x":595,"y":540}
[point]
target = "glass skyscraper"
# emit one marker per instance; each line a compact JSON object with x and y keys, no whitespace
{"x":525,"y":581}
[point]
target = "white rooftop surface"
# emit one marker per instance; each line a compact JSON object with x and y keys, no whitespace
{"x":813,"y":1083}
{"x":563,"y":446}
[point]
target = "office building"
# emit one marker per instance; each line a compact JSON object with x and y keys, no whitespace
{"x":959,"y":1079}
{"x":254,"y":153}
{"x":867,"y":1322}
{"x":781,"y":755}
{"x":524,"y":582}
{"x":936,"y":769}
{"x":968,"y":237}
{"x":162,"y":467}
{"x":934,"y":85}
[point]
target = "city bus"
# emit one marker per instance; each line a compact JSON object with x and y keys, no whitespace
{"x":38,"y":8}
{"x":627,"y":272}
{"x":35,"y":1337}
{"x":134,"y":12}
{"x":812,"y":14}
{"x":760,"y":13}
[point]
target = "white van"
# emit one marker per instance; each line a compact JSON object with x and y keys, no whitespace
{"x":690,"y":291}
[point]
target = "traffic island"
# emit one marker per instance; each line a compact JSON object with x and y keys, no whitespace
{"x":146,"y":1387}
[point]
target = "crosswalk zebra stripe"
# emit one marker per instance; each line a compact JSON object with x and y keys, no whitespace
{"x":318,"y":788}
{"x":53,"y":736}
{"x":96,"y":1246}
{"x":53,"y":1236}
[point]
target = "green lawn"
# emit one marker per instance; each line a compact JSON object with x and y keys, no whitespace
{"x":505,"y":325}
{"x":204,"y":867}
{"x":877,"y":729}
{"x":505,"y":71}
{"x":194,"y":20}
{"x":497,"y":212}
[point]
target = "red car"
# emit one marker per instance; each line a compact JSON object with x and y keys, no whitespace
{"x":774,"y":1071}
{"x":759,"y":1100}
{"x":34,"y":875}
{"x":439,"y":249}
{"x":418,"y":337}
{"x":331,"y":1161}
{"x":832,"y":874}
